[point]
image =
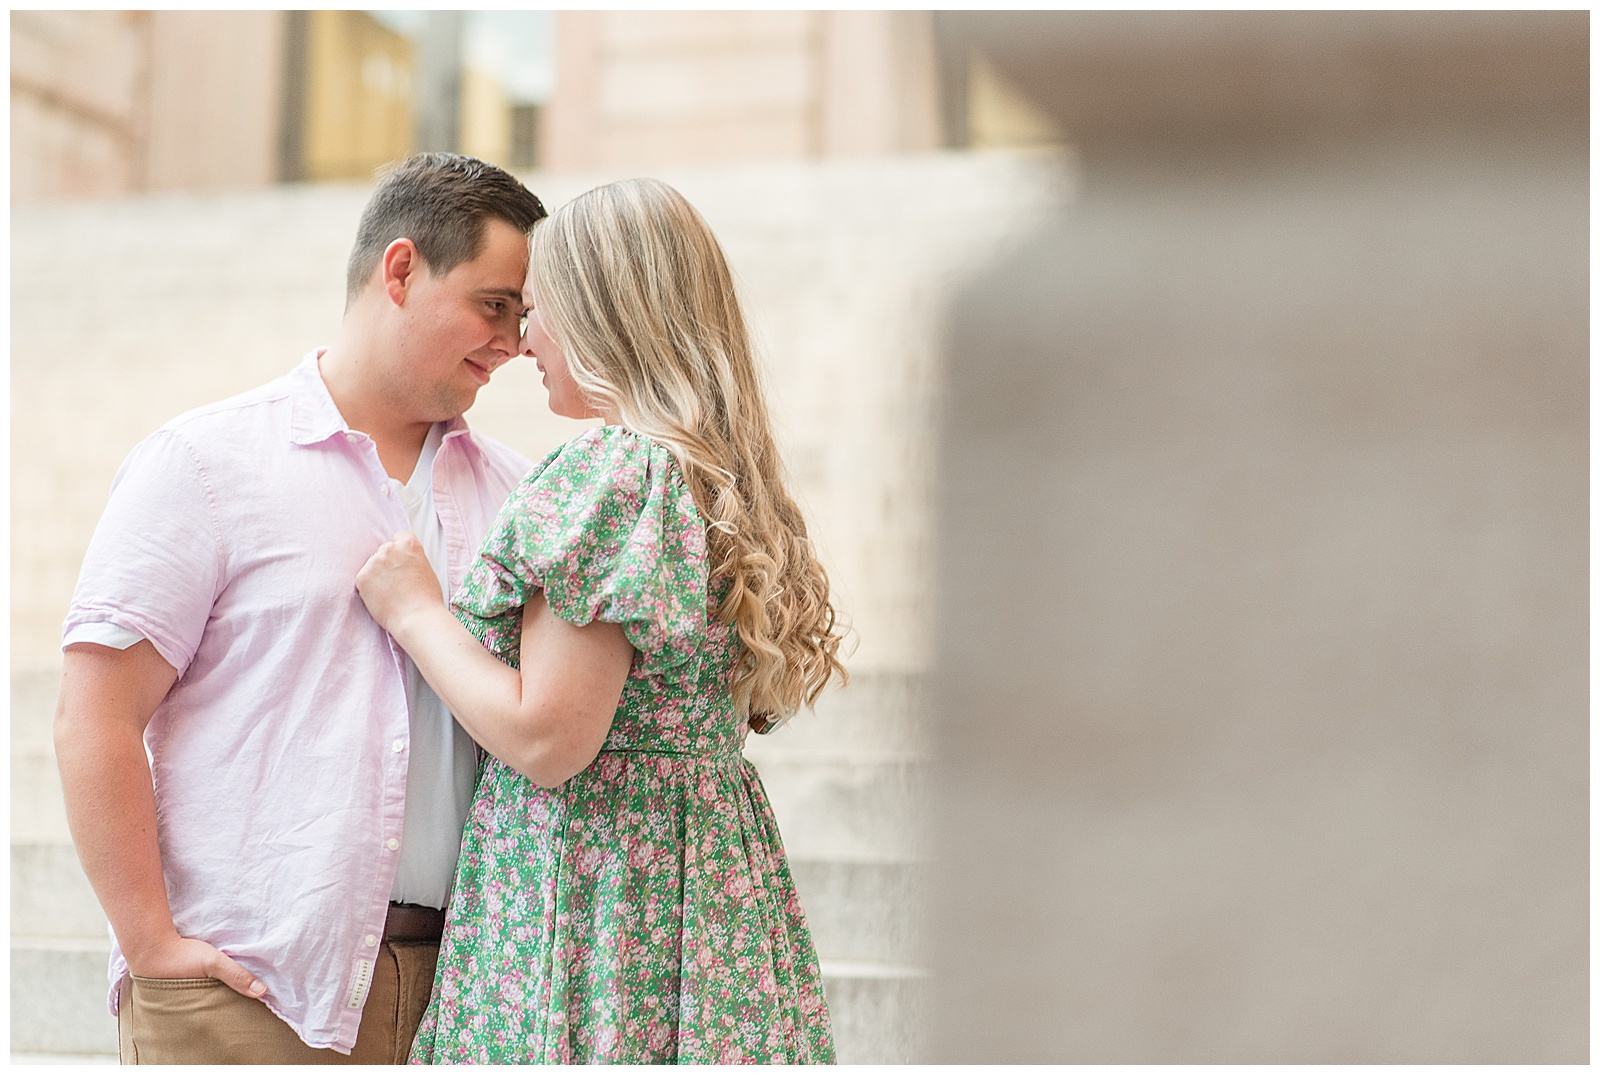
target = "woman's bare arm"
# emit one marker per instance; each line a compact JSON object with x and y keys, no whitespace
{"x":548,"y":721}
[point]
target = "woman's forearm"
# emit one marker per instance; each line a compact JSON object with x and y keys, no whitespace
{"x":548,"y":720}
{"x":481,"y":692}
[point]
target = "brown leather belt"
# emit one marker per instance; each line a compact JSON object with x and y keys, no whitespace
{"x":412,"y":922}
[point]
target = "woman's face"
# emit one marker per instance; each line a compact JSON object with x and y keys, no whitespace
{"x":537,"y":343}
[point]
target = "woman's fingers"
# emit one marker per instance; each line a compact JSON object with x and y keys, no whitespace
{"x":400,"y":546}
{"x":397,"y":575}
{"x":390,"y":556}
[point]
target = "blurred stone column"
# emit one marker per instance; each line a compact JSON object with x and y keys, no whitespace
{"x":1261,"y":676}
{"x":438,"y":100}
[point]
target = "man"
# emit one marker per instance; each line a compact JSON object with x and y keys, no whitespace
{"x":275,"y":867}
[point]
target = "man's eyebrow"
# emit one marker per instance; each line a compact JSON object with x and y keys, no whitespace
{"x":514,"y":294}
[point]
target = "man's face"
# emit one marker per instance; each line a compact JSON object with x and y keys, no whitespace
{"x":460,"y":327}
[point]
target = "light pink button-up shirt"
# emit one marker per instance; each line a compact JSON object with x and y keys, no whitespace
{"x":231,"y":541}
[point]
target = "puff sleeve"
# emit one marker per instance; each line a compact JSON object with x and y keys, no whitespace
{"x":606,"y":527}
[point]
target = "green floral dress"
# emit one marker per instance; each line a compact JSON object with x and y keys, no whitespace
{"x":643,"y":911}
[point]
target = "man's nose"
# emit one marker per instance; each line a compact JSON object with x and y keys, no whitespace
{"x":508,"y":341}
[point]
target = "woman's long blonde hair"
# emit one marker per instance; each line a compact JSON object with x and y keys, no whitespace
{"x":634,"y":287}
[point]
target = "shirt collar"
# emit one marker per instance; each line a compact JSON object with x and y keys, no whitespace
{"x":316,"y":418}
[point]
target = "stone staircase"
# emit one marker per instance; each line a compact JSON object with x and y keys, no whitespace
{"x":845,"y":784}
{"x":59,"y":941}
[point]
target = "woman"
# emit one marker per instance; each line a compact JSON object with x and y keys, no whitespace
{"x":646,"y":596}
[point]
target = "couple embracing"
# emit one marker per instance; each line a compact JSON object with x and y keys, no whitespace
{"x":378,"y":745}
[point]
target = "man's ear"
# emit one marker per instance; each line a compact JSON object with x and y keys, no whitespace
{"x":399,"y":269}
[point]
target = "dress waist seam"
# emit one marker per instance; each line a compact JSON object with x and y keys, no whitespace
{"x":663,"y":752}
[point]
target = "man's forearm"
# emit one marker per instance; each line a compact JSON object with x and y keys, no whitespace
{"x":107,"y":698}
{"x":111,"y":809}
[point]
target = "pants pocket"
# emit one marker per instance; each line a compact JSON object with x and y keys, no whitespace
{"x":178,"y":1020}
{"x":175,"y":983}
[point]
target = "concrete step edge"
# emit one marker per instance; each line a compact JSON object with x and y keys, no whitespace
{"x":847,"y":857}
{"x":843,"y":969}
{"x":63,"y":944}
{"x":776,"y":755}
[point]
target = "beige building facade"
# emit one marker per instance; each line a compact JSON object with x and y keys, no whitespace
{"x":110,"y":102}
{"x":640,"y":89}
{"x":105,"y":103}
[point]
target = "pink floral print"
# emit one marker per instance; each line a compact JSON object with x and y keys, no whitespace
{"x":642,"y":912}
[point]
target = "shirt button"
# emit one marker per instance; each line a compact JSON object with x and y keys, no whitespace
{"x":394,"y":845}
{"x":388,"y":491}
{"x":399,"y":745}
{"x":372,"y":941}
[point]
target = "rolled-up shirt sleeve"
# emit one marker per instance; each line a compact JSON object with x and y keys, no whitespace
{"x":101,"y":633}
{"x":156,"y":562}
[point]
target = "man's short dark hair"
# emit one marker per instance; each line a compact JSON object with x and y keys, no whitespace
{"x":441,"y":202}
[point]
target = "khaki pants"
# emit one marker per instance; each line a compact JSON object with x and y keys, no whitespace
{"x":202,"y":1021}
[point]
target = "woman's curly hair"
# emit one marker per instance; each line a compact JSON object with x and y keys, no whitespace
{"x":634,"y":287}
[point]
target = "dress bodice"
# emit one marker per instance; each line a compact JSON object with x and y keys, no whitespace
{"x":607,"y":528}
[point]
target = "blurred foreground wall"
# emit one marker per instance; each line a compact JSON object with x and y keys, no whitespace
{"x":1261,"y":662}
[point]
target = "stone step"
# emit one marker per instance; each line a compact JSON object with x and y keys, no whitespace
{"x":854,"y":811}
{"x":863,"y":912}
{"x":58,"y":996}
{"x":33,"y":704}
{"x":880,"y":712}
{"x":38,"y":813}
{"x":50,"y":896}
{"x":877,"y":1011}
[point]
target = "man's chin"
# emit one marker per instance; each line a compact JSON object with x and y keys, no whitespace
{"x":453,"y":406}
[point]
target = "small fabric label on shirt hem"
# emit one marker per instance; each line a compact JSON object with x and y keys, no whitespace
{"x":363,"y":981}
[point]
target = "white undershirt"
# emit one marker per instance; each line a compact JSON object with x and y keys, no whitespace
{"x":443,"y":763}
{"x":444,"y":759}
